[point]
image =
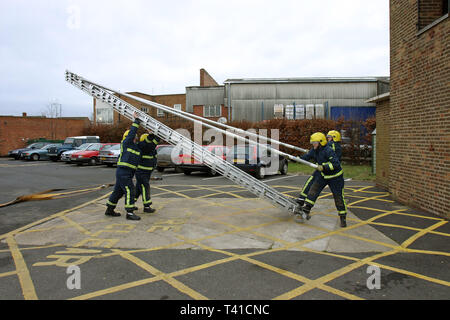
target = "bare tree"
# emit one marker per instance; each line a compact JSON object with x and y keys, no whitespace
{"x":52,"y":110}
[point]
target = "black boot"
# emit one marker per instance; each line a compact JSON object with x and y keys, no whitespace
{"x":306,"y":211}
{"x":110,"y":211}
{"x":149,"y":210}
{"x":300,"y":201}
{"x":132,"y":216}
{"x":343,"y":221}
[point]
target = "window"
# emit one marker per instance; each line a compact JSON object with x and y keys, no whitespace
{"x":144,"y":109}
{"x":177,"y":107}
{"x":160,"y":113}
{"x":431,"y":12}
{"x":212,"y":111}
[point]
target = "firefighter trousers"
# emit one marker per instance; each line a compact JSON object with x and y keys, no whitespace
{"x":337,"y":188}
{"x":143,"y":187}
{"x":124,"y":187}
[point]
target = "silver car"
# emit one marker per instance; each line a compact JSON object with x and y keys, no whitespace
{"x":110,"y":155}
{"x":65,"y":156}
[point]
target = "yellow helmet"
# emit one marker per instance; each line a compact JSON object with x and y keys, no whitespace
{"x":144,"y":136}
{"x":125,"y":134}
{"x":319,"y":137}
{"x":335,"y":134}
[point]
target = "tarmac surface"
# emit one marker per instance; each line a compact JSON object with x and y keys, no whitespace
{"x":211,"y":240}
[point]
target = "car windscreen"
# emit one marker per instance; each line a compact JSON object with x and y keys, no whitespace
{"x":165,"y":150}
{"x":69,"y":141}
{"x":107,"y":147}
{"x":48,"y":146}
{"x":35,"y":145}
{"x":94,"y":147}
{"x":83,"y":146}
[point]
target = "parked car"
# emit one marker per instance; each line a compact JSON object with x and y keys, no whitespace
{"x":65,"y":156}
{"x":17,"y":154}
{"x":189,"y":164}
{"x":39,"y":154}
{"x":164,"y":157}
{"x":70,"y":144}
{"x":255,"y":160}
{"x":110,"y":155}
{"x":90,"y":155}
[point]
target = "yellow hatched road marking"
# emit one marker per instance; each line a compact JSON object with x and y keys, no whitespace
{"x":173,"y":282}
{"x":331,"y":276}
{"x":7,"y":274}
{"x":26,"y":283}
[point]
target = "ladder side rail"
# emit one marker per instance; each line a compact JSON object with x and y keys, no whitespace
{"x":174,"y":137}
{"x":170,"y":110}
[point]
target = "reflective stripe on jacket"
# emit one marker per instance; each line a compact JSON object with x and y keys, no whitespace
{"x":129,"y":151}
{"x":326,"y":157}
{"x":148,"y":159}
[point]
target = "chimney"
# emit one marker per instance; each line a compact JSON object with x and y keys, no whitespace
{"x":24,"y":114}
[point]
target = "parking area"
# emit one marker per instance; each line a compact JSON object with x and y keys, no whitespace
{"x":211,"y":239}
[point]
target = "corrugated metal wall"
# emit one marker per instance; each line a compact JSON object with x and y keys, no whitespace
{"x":255,"y":102}
{"x":204,"y":96}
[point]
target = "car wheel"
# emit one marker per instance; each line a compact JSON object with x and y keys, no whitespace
{"x":34,"y":157}
{"x":93,"y":161}
{"x":178,"y":170}
{"x":212,"y":172}
{"x":109,"y":165}
{"x":187,"y":172}
{"x":160,"y":169}
{"x":261,"y":173}
{"x":284,"y":168}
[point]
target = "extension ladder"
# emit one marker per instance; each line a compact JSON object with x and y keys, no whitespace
{"x":216,"y":163}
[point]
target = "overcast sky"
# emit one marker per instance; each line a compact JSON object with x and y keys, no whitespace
{"x":158,"y":47}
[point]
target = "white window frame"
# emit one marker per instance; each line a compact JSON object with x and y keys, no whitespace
{"x":102,"y":108}
{"x":160,"y":113}
{"x":212,"y":111}
{"x":177,"y":106}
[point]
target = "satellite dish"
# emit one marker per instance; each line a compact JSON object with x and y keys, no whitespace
{"x":222,"y":120}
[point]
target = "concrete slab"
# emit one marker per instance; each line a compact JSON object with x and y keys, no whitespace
{"x":219,"y":223}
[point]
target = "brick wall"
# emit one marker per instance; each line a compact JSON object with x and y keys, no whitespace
{"x":16,"y":131}
{"x":383,"y":145}
{"x":198,"y":111}
{"x":419,"y":171}
{"x":206,"y":80}
{"x":168,"y":100}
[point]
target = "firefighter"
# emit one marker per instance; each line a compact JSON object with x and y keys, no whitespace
{"x":147,"y":163}
{"x":126,"y":168}
{"x":310,"y":181}
{"x":334,"y":141}
{"x":331,"y":174}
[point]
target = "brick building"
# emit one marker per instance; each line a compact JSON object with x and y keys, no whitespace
{"x":104,"y":113}
{"x":413,"y":121}
{"x":15,"y":132}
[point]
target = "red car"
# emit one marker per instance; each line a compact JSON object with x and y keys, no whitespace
{"x":188,"y":164}
{"x":90,"y":155}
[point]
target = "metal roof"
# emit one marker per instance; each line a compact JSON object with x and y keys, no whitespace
{"x":379,"y":98}
{"x":308,"y":80}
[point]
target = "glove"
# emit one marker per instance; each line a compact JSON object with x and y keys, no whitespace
{"x":320,"y":168}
